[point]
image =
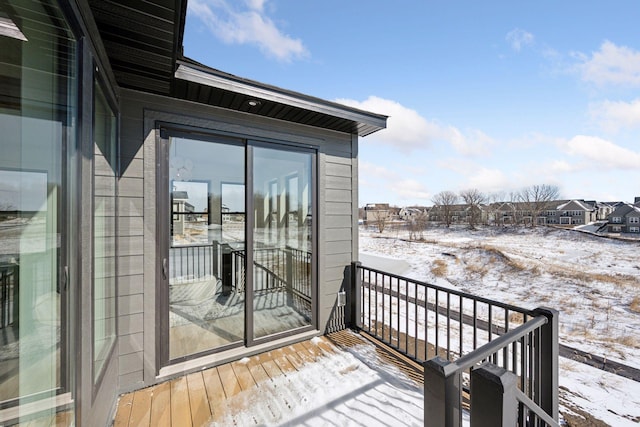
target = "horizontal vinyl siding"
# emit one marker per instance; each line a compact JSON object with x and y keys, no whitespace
{"x":130,"y":248}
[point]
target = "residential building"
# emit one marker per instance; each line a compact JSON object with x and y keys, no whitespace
{"x":102,"y":120}
{"x":625,"y":219}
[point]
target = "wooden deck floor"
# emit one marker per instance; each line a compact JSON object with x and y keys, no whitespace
{"x":200,"y":398}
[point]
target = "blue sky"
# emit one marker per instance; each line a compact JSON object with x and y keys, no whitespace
{"x":494,"y":95}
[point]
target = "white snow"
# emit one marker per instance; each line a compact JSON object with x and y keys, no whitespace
{"x":347,"y":388}
{"x":592,"y":281}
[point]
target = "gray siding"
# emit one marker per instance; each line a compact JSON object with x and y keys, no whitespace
{"x":337,"y":204}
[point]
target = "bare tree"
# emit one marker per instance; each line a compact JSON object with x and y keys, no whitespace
{"x":380,"y":219}
{"x":417,"y":224}
{"x":538,"y":198}
{"x":474,"y":199}
{"x":444,"y":201}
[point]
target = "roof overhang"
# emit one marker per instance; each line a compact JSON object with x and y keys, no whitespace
{"x":203,"y":84}
{"x":143,"y":41}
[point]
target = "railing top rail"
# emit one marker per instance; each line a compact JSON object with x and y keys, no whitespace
{"x":194,"y":245}
{"x":452,"y":291}
{"x":481,"y":353}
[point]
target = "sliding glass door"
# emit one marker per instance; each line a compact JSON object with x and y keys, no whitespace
{"x":282,"y":240}
{"x":233,"y":203}
{"x":206,"y":245}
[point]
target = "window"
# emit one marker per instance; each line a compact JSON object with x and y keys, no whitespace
{"x":104,"y":230}
{"x":37,"y":111}
{"x":616,"y":220}
{"x":634,"y":229}
{"x":634,"y":220}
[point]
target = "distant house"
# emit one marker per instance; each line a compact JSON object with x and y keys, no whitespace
{"x":576,"y":212}
{"x":625,"y":219}
{"x":375,"y":211}
{"x":408,"y":213}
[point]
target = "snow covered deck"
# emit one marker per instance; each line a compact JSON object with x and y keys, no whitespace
{"x":339,"y":379}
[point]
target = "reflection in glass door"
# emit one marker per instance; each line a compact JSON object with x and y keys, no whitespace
{"x":282,"y":240}
{"x":207,"y":246}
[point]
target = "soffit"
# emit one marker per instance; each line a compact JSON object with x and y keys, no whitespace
{"x":198,"y":83}
{"x":142,"y":39}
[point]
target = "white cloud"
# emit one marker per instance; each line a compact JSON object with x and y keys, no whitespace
{"x":250,"y":26}
{"x":489,"y":180}
{"x":601,"y":153}
{"x":409,"y":189}
{"x":408,"y":130}
{"x":367,"y":169}
{"x":518,"y":38}
{"x":613,"y":116}
{"x":612,"y":64}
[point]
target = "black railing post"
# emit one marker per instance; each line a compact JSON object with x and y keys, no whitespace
{"x":289,"y":270}
{"x":215,"y":258}
{"x":549,"y":354}
{"x":354,"y":297}
{"x":227,"y":269}
{"x":442,"y":401}
{"x":493,"y":397}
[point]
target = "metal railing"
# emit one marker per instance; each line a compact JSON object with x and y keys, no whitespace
{"x":274,"y":268}
{"x":9,"y":282}
{"x":453,"y":333}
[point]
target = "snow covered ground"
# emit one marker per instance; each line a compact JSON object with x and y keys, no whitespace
{"x":593,"y":282}
{"x":346,"y":388}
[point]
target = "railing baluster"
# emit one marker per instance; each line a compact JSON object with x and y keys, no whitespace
{"x":437,"y":309}
{"x":460,"y":331}
{"x":449,"y":325}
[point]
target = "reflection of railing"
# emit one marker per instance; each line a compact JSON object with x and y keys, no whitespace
{"x":274,"y":268}
{"x":9,"y":282}
{"x":193,"y":262}
{"x":458,"y":337}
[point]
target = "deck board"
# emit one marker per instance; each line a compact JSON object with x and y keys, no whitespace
{"x":245,"y":379}
{"x":200,"y":411}
{"x":141,"y":408}
{"x":215,"y":392}
{"x":204,"y":397}
{"x":180,"y":409}
{"x":161,"y":405}
{"x":229,"y":380}
{"x":123,"y":413}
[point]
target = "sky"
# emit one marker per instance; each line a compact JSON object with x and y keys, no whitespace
{"x":494,"y":96}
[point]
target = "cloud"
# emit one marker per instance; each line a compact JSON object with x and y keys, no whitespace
{"x":489,"y":180}
{"x":409,"y":189}
{"x":611,"y":65}
{"x":518,"y":38}
{"x":249,"y":25}
{"x":613,"y":116}
{"x":602,"y":153}
{"x":407,"y":130}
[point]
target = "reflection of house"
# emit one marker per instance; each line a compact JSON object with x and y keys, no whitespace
{"x":180,"y":211}
{"x":99,"y":94}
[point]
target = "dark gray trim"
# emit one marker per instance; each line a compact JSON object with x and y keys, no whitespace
{"x":248,"y":233}
{"x":364,"y":122}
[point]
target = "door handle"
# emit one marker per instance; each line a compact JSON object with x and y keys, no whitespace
{"x":164,"y":268}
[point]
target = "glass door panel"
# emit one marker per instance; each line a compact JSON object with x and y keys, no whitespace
{"x":37,"y":107}
{"x":207,"y":246}
{"x":282,"y":240}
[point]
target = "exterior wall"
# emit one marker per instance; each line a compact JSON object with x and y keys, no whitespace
{"x":336,"y":202}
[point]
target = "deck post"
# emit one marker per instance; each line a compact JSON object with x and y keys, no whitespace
{"x":549,"y":361}
{"x":442,"y":397}
{"x":493,"y":398}
{"x":353,"y":315}
{"x":227,"y":269}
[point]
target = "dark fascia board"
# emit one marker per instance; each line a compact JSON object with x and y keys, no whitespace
{"x":196,"y":73}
